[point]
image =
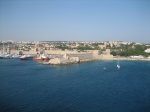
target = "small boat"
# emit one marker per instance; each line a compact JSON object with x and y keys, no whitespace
{"x":118,"y":65}
{"x":15,"y":56}
{"x":5,"y":56}
{"x":44,"y":57}
{"x":41,"y":57}
{"x":1,"y":57}
{"x":27,"y":57}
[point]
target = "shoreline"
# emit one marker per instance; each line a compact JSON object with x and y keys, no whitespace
{"x":131,"y":59}
{"x":92,"y":60}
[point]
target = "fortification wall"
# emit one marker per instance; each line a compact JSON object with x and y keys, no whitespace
{"x":82,"y":56}
{"x":14,"y":51}
{"x":107,"y":56}
{"x":54,"y":52}
{"x":59,"y":52}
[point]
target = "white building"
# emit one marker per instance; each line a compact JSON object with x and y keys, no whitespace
{"x":147,"y":50}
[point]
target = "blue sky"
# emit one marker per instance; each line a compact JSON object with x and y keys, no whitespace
{"x":75,"y":20}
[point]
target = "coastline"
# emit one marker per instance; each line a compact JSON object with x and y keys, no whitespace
{"x":131,"y":59}
{"x":91,"y":60}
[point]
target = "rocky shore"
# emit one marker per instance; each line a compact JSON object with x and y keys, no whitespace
{"x":66,"y":62}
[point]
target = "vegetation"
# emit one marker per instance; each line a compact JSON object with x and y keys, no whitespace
{"x":130,"y":50}
{"x":86,"y":47}
{"x":82,"y":48}
{"x":62,"y":47}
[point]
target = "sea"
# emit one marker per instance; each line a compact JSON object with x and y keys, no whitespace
{"x":98,"y":86}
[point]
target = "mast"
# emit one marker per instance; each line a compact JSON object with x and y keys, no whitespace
{"x":118,"y":66}
{"x":118,"y":62}
{"x":8,"y":49}
{"x":3,"y":47}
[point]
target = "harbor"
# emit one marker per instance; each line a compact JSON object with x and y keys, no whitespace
{"x":98,"y":86}
{"x":53,"y":53}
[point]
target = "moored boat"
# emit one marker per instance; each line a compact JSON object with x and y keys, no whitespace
{"x":5,"y":56}
{"x":27,"y":57}
{"x":38,"y":58}
{"x":45,"y":57}
{"x":16,"y":56}
{"x":1,"y":56}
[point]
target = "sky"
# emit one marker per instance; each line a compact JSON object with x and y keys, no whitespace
{"x":75,"y":20}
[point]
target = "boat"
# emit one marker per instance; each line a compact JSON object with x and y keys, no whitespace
{"x":41,"y":57}
{"x":1,"y":56}
{"x":5,"y":56}
{"x":38,"y":58}
{"x":44,"y":57}
{"x":27,"y":57}
{"x":118,"y":65}
{"x":15,"y":56}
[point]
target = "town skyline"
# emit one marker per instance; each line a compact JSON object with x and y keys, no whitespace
{"x":67,"y":41}
{"x":75,"y":20}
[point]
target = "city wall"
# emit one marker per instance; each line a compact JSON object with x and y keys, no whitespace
{"x":82,"y":56}
{"x":59,"y":52}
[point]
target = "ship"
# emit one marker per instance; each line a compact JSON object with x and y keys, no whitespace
{"x":42,"y":57}
{"x":27,"y":57}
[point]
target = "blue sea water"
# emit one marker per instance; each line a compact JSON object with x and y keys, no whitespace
{"x":26,"y":86}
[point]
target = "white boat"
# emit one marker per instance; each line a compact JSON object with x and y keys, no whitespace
{"x":27,"y":57}
{"x":44,"y":57}
{"x":118,"y":65}
{"x":15,"y":56}
{"x":5,"y":56}
{"x":1,"y":56}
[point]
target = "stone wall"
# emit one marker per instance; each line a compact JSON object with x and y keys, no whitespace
{"x":59,"y":52}
{"x":82,"y":56}
{"x":61,"y":61}
{"x":106,"y":56}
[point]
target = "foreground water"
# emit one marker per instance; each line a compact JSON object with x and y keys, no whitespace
{"x":26,"y":86}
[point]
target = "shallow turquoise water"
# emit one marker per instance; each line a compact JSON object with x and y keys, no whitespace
{"x":26,"y":86}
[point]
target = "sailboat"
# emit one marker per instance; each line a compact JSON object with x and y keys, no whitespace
{"x":118,"y":65}
{"x":2,"y":54}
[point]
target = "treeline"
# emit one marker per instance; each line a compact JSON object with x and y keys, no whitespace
{"x":131,"y":51}
{"x":62,"y":47}
{"x":86,"y":47}
{"x":79,"y":48}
